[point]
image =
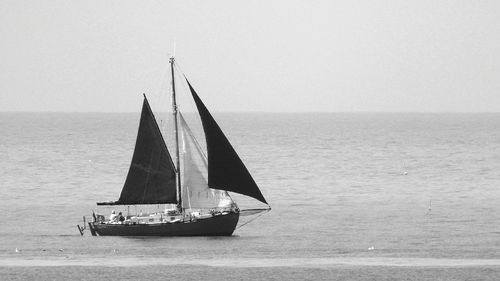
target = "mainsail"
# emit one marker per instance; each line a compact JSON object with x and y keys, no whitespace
{"x":151,"y":178}
{"x":226,"y":171}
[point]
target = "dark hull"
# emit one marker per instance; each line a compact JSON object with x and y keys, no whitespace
{"x":221,"y":225}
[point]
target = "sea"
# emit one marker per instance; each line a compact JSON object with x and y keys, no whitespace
{"x":354,"y":196}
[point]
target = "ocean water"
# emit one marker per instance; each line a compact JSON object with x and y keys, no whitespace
{"x":355,"y":196}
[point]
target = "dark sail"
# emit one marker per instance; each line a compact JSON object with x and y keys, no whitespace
{"x":226,"y":171}
{"x":151,"y":178}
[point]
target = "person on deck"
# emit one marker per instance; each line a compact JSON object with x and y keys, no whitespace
{"x":113,"y":216}
{"x":121,"y":218}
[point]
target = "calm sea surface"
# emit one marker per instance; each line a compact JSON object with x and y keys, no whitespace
{"x":354,"y":197}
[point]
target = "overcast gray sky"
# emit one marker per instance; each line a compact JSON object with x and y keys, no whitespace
{"x":275,"y":56}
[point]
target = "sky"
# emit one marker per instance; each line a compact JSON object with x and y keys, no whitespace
{"x":252,"y":56}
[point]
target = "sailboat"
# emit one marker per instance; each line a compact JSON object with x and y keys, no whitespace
{"x":198,"y":189}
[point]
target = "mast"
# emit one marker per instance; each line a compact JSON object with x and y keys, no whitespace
{"x":176,"y":131}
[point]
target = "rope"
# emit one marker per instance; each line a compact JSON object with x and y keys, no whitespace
{"x":188,"y":93}
{"x":195,"y":141}
{"x":252,"y":219}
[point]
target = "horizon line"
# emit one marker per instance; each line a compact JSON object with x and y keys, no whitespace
{"x":269,"y":112}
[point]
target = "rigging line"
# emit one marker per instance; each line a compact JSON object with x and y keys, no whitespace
{"x":252,"y":219}
{"x":183,"y":162}
{"x":147,"y":178}
{"x":186,"y":90}
{"x":188,"y":197}
{"x":162,"y":93}
{"x":197,"y":144}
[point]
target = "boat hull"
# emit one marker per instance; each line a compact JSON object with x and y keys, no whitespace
{"x":220,"y":225}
